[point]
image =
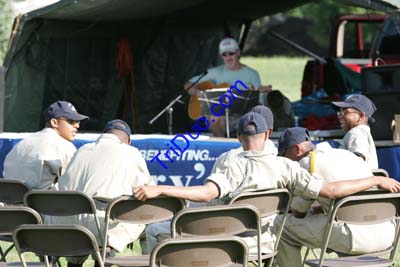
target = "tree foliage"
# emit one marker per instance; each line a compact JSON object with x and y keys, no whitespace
{"x":5,"y":26}
{"x":322,"y":13}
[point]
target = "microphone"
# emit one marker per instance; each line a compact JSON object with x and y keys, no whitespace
{"x":197,"y":80}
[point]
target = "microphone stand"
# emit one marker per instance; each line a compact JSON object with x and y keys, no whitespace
{"x":177,"y":99}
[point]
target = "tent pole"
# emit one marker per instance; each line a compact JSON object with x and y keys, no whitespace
{"x":244,"y":33}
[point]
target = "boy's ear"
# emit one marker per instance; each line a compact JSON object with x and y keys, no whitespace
{"x":298,"y":149}
{"x":53,"y":123}
{"x":363,"y":116}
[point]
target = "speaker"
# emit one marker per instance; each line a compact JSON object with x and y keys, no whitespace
{"x":382,"y":85}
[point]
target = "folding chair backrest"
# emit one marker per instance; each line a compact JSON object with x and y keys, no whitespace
{"x":367,"y":209}
{"x":62,"y":203}
{"x":12,"y":191}
{"x":10,"y":218}
{"x":225,"y":220}
{"x":127,"y":209}
{"x":364,"y":209}
{"x":268,"y":202}
{"x":13,"y":216}
{"x":59,"y":203}
{"x":56,"y":240}
{"x":130,"y":210}
{"x":225,"y":251}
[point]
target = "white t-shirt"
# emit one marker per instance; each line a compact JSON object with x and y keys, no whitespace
{"x":359,"y":139}
{"x":38,"y":159}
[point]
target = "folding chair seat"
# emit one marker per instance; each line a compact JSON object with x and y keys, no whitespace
{"x":11,"y":193}
{"x":224,"y":220}
{"x":13,"y":216}
{"x":223,"y":251}
{"x":127,"y":209}
{"x":56,"y":240}
{"x":361,"y":209}
{"x":62,"y":203}
{"x":269,"y":203}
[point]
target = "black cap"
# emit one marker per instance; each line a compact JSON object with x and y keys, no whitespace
{"x":63,"y":109}
{"x":292,"y":136}
{"x":118,"y":125}
{"x":266,"y":113}
{"x":252,"y":118}
{"x":359,"y":102}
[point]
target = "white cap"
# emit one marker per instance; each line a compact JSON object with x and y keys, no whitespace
{"x":228,"y":45}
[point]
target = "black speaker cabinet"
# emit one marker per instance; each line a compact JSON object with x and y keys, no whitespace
{"x":382,"y":85}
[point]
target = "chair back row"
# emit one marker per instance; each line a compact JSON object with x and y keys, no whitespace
{"x":244,"y":216}
{"x":364,"y":208}
{"x":29,"y":234}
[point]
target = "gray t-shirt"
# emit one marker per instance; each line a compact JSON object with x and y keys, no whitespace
{"x":221,"y":74}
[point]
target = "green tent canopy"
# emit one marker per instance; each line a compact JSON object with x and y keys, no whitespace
{"x":123,"y":58}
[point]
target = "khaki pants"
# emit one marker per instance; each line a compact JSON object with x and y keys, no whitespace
{"x":309,"y":232}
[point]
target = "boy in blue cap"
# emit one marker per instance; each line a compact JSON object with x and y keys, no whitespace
{"x":355,"y":113}
{"x":269,"y":145}
{"x":41,"y":157}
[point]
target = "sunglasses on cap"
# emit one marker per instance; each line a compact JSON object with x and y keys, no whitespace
{"x":228,"y":53}
{"x":69,"y":121}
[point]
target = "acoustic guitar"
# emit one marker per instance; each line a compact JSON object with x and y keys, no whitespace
{"x":194,"y":109}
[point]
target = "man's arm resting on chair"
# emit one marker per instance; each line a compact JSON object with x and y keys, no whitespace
{"x":202,"y":193}
{"x":339,"y":189}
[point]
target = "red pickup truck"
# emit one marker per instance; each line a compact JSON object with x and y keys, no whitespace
{"x":364,"y":56}
{"x":352,"y":45}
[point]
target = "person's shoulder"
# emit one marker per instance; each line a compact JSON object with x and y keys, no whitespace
{"x":87,"y":146}
{"x":249,"y":69}
{"x":344,"y":156}
{"x":131,"y":150}
{"x":359,"y":131}
{"x":285,"y":162}
{"x":232,"y":161}
{"x":360,"y":128}
{"x":216,"y":69}
{"x":364,"y":128}
{"x":41,"y":135}
{"x":49,"y":139}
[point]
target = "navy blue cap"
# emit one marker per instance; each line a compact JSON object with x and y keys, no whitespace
{"x":359,"y":102}
{"x":63,"y":109}
{"x":266,"y":113}
{"x":118,"y":125}
{"x":290,"y":137}
{"x":260,"y":125}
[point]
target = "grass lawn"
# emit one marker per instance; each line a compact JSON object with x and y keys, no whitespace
{"x":136,"y":250}
{"x":13,"y":256}
{"x":283,"y":73}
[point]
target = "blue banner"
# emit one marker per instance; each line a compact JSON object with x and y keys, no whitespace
{"x":195,"y":163}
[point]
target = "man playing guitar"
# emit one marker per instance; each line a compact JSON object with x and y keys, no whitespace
{"x":223,"y":76}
